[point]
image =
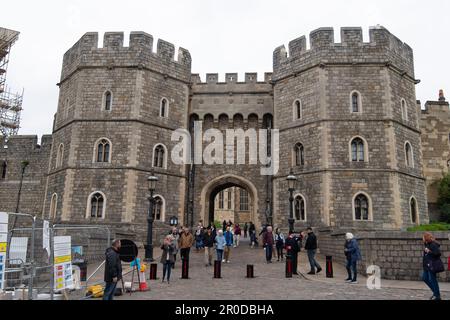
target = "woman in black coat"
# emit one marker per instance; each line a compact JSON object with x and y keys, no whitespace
{"x":432,"y":264}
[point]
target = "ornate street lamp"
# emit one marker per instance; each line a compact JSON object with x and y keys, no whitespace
{"x":291,"y":179}
{"x":152,"y":180}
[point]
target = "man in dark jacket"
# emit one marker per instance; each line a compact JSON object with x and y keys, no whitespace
{"x":311,"y":249}
{"x":113,"y":270}
{"x":208,"y":242}
{"x":268,"y":243}
{"x":292,"y":250}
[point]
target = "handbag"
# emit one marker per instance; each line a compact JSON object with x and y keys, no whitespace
{"x":436,"y":266}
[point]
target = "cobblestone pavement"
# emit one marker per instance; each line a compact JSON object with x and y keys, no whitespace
{"x":269,"y":282}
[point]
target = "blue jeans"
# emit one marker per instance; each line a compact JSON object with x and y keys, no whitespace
{"x":312,"y":261}
{"x":430,"y":279}
{"x":269,"y":250}
{"x":351,"y":268}
{"x":110,"y":288}
{"x":219,"y":254}
{"x":167,"y":268}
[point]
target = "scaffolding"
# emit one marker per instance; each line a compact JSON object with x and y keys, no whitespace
{"x":10,"y":102}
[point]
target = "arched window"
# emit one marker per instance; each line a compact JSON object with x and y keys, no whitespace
{"x":361,"y":207}
{"x":358,"y":150}
{"x":164,"y":108}
{"x":243,"y":203}
{"x":158,"y":208}
{"x":299,"y":155}
{"x":60,"y":156}
{"x":355,"y":101}
{"x":413,"y":210}
{"x":108,"y":101}
{"x":404,"y":109}
{"x":103,"y":151}
{"x":299,"y":208}
{"x":53,"y":206}
{"x":97,"y":205}
{"x":409,"y":155}
{"x":298,"y":110}
{"x":159,"y":154}
{"x":3,"y":169}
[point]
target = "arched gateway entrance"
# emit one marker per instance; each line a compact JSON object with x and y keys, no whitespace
{"x":215,"y":186}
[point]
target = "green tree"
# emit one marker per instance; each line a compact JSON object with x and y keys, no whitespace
{"x":444,"y":197}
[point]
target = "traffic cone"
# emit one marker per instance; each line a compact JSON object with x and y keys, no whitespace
{"x":142,"y":281}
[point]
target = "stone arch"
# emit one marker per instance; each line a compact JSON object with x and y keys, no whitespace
{"x":253,"y":120}
{"x":212,"y":188}
{"x":238,"y":120}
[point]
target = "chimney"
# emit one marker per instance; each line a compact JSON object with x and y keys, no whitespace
{"x":441,"y":95}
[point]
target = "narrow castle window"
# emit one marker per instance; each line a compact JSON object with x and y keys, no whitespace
{"x":108,"y":100}
{"x":358,"y":152}
{"x":409,"y":155}
{"x":355,"y":102}
{"x":299,"y":153}
{"x":299,"y":208}
{"x":221,"y":200}
{"x":164,"y":108}
{"x":4,"y":169}
{"x":404,"y":110}
{"x":53,"y":206}
{"x":60,"y":156}
{"x":97,"y":205}
{"x":159,"y":157}
{"x":361,"y":205}
{"x":298,"y":110}
{"x":158,"y":209}
{"x":229,"y":198}
{"x":103,"y":151}
{"x":413,"y":210}
{"x":243,"y":201}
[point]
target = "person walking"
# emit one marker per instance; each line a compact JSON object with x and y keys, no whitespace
{"x":167,"y":257}
{"x":175,"y":237}
{"x":279,"y":243}
{"x":292,"y":249}
{"x":237,"y":235}
{"x":268,"y":243}
{"x":185,"y":243}
{"x":228,"y":244}
{"x":113,"y":270}
{"x":224,"y":225}
{"x":311,"y":249}
{"x":199,"y":238}
{"x":252,"y":232}
{"x":208,"y":242}
{"x":220,"y":245}
{"x":353,"y":255}
{"x":432,"y":264}
{"x":246,"y":230}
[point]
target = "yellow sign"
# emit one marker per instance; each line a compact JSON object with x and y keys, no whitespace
{"x":2,"y":246}
{"x":63,"y":259}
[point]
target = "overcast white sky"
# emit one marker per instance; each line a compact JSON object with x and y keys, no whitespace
{"x":222,"y":36}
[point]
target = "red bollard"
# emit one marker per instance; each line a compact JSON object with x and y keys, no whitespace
{"x":153,"y":271}
{"x":288,"y":267}
{"x":329,"y":270}
{"x":185,"y":269}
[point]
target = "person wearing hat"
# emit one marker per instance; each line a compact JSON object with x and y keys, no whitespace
{"x":353,"y":255}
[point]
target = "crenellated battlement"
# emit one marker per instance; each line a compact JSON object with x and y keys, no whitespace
{"x":383,"y":47}
{"x":231,"y":78}
{"x":87,"y":53}
{"x":28,"y":142}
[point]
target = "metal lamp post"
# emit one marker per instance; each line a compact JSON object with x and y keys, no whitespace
{"x":291,"y":179}
{"x":152,"y":180}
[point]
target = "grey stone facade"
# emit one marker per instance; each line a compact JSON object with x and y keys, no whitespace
{"x":322,"y":77}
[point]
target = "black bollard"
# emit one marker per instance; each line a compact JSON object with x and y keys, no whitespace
{"x":185,"y":269}
{"x":329,"y":262}
{"x":153,"y":271}
{"x":217,"y":269}
{"x":288,"y":267}
{"x":250,"y":271}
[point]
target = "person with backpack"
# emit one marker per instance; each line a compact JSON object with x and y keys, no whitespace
{"x":237,"y":235}
{"x":268,"y":243}
{"x":208,"y":242}
{"x":228,"y":244}
{"x":113,"y":270}
{"x":279,"y":243}
{"x":432,"y":264}
{"x":311,"y":249}
{"x":353,"y":255}
{"x":199,"y":238}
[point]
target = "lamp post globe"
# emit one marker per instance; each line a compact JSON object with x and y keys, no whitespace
{"x":151,"y":180}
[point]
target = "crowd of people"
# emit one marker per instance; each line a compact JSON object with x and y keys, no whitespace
{"x":228,"y":237}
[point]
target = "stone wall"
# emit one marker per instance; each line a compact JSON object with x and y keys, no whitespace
{"x":398,"y":254}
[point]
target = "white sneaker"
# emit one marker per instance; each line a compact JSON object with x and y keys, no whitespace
{"x":223,"y":260}
{"x":354,"y":282}
{"x":234,"y":246}
{"x":348,"y":281}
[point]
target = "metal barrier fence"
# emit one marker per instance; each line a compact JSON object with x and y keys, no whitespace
{"x":30,"y":268}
